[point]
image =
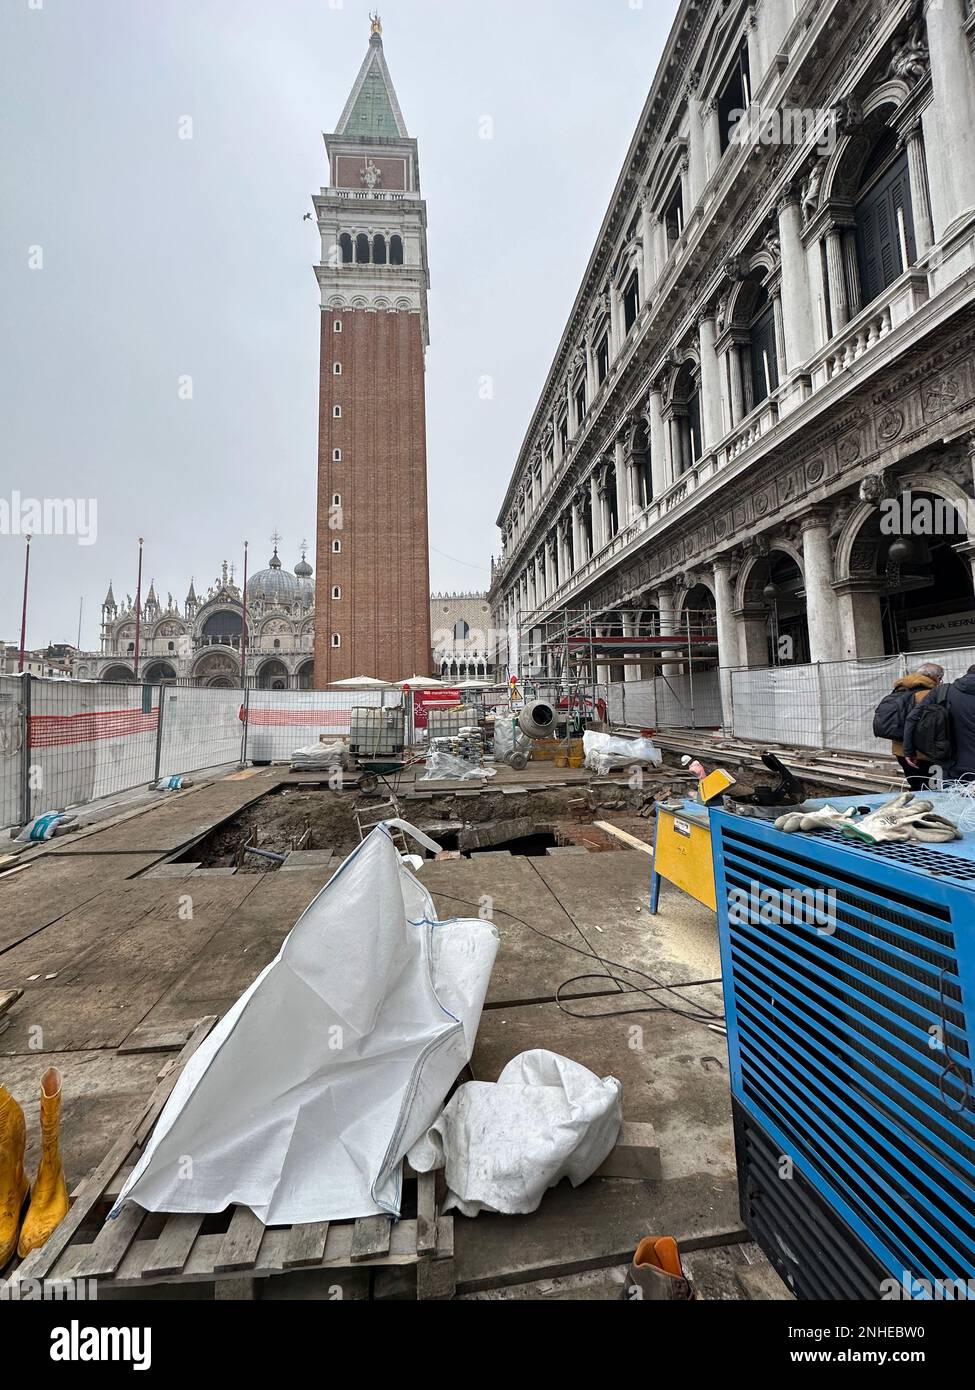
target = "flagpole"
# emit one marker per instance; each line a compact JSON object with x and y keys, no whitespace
{"x":243,"y":636}
{"x":23,"y":614}
{"x":138,"y":610}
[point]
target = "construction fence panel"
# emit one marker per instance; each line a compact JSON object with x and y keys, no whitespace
{"x":778,"y":704}
{"x":674,"y":701}
{"x":281,"y":721}
{"x":87,"y":740}
{"x":199,"y":729}
{"x":12,"y":727}
{"x":689,"y":701}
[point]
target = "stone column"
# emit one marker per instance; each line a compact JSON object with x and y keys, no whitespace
{"x":736,"y":398}
{"x":697,"y":155}
{"x":953,"y":88}
{"x":800,"y":343}
{"x":822,"y":609}
{"x":624,"y":491}
{"x":668,"y":620}
{"x":595,"y":503}
{"x":631,"y":673}
{"x":647,"y":236}
{"x":920,"y":200}
{"x":839,"y":304}
{"x":752,"y":636}
{"x":728,"y":656}
{"x":658,"y":448}
{"x":710,"y":384}
{"x":712,"y":136}
{"x":779,"y":330}
{"x":578,"y":536}
{"x":852,"y":271}
{"x":861,"y":621}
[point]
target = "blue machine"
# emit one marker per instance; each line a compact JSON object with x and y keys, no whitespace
{"x":851,"y":1030}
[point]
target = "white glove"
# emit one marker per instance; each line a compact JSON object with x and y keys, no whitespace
{"x":827,"y":818}
{"x":903,"y":819}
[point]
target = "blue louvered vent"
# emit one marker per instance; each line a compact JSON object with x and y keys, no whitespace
{"x":832,"y":1035}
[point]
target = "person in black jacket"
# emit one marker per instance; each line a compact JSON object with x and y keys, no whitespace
{"x":961,"y":717}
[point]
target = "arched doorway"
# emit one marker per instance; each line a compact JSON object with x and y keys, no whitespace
{"x":219,"y":670}
{"x":158,"y":673}
{"x":774,"y":612}
{"x":273,"y":675}
{"x":306,"y":675}
{"x":904,"y":562}
{"x":117,"y":675}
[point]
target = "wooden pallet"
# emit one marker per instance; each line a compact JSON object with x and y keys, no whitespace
{"x":231,"y":1250}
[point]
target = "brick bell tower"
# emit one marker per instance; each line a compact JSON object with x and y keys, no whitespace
{"x":372,"y":607}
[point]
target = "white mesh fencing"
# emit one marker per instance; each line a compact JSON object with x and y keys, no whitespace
{"x":89,"y":740}
{"x":677,"y":701}
{"x":280,"y":721}
{"x":11,"y":750}
{"x":200,"y":728}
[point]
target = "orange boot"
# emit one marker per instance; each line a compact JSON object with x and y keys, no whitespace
{"x":13,"y":1180}
{"x":656,"y":1272}
{"x":49,"y":1195}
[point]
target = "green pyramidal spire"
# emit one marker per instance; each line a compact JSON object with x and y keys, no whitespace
{"x":373,"y":109}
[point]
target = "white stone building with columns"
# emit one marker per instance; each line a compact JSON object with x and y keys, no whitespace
{"x":771,"y":348}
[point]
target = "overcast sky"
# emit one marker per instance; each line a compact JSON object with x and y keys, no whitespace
{"x":132,"y":259}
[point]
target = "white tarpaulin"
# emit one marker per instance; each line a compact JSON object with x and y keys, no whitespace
{"x":607,"y":751}
{"x":503,"y":1145}
{"x":306,"y":1096}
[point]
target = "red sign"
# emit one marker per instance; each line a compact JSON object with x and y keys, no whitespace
{"x":426,"y":700}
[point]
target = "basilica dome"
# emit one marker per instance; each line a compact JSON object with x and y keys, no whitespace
{"x":275,"y":584}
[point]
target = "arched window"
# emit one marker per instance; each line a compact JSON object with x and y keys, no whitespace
{"x":336,"y":455}
{"x":336,"y":547}
{"x":336,"y":499}
{"x":336,"y":639}
{"x":277,"y":644}
{"x":687,"y":441}
{"x":762,"y":347}
{"x":461,"y":630}
{"x":337,"y":368}
{"x":379,"y":250}
{"x":336,"y":412}
{"x":337,"y":326}
{"x":396,"y":250}
{"x":884,"y":218}
{"x":336,"y":591}
{"x":362,"y":249}
{"x":345,"y":248}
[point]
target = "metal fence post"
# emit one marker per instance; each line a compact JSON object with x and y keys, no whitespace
{"x":159,"y":733}
{"x":25,"y":787}
{"x":245,"y":707}
{"x":822,"y":704}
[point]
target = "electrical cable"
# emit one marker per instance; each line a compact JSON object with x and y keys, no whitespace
{"x":694,"y":1013}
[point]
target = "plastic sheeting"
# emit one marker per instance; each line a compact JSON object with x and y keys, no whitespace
{"x":674,"y":701}
{"x":504,"y":1145}
{"x":605,"y":752}
{"x":279,"y":721}
{"x":306,"y":1096}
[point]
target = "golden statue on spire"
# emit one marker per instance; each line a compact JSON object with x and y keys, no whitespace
{"x":377,"y":24}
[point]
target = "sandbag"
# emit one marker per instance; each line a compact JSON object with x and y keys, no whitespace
{"x":504,"y":1144}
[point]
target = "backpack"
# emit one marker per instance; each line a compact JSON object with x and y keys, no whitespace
{"x":932,"y":733}
{"x":890,"y":716}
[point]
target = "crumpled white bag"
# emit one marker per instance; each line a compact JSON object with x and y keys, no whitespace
{"x":504,"y":1144}
{"x":303,"y":1100}
{"x":603,"y":752}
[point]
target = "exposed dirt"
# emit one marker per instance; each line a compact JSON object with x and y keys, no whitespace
{"x":281,"y":818}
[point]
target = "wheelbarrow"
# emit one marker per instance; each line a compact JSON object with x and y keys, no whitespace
{"x":376,"y":770}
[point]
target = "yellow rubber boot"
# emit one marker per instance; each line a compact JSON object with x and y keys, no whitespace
{"x":49,"y":1195}
{"x":13,"y":1180}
